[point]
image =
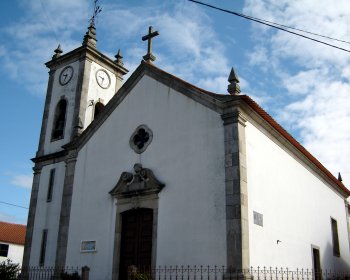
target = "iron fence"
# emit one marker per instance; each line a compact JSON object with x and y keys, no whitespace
{"x":229,"y":273}
{"x":49,"y":273}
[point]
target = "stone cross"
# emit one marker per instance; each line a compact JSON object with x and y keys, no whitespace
{"x":149,"y":57}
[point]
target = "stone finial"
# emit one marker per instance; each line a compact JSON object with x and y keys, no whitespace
{"x":119,"y":58}
{"x":233,"y":88}
{"x":90,"y":37}
{"x":340,"y":179}
{"x":57,"y":52}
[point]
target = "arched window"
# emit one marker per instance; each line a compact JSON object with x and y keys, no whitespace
{"x":59,"y":120}
{"x":98,"y":109}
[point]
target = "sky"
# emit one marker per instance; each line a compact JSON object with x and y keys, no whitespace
{"x":303,"y":85}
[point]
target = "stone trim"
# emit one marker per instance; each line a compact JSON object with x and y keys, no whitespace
{"x":87,"y":52}
{"x":146,"y":144}
{"x":124,"y":204}
{"x":45,"y":118}
{"x":63,"y":229}
{"x":81,"y":94}
{"x":31,"y":215}
{"x":205,"y":98}
{"x":51,"y":158}
{"x":236,"y":191}
{"x":133,"y":191}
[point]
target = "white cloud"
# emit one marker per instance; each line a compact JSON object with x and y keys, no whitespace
{"x":187,"y":46}
{"x":22,"y":180}
{"x":4,"y":217}
{"x":315,"y":77}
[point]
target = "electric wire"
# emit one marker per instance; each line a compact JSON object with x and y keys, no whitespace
{"x":15,"y":205}
{"x":274,"y":26}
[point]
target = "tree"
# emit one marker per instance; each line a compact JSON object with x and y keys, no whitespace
{"x":9,"y":270}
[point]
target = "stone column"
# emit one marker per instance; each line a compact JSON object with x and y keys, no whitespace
{"x":43,"y":132}
{"x":65,"y":209}
{"x":81,"y":93}
{"x":31,"y":214}
{"x":236,"y":191}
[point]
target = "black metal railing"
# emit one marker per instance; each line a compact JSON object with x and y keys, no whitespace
{"x":50,"y":273}
{"x":201,"y":272}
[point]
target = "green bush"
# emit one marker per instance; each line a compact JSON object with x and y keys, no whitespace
{"x":142,"y":276}
{"x":9,"y":270}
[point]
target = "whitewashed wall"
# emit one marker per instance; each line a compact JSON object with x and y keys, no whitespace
{"x":186,"y":154}
{"x":15,"y":253}
{"x":297,"y":207}
{"x":47,"y":215}
{"x":95,"y":92}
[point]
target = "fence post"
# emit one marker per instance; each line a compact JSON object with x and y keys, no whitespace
{"x":85,"y":270}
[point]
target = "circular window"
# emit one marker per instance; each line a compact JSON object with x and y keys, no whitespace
{"x":141,"y":138}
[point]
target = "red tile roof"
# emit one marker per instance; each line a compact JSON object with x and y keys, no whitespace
{"x":12,"y":233}
{"x":292,"y":140}
{"x":251,"y":103}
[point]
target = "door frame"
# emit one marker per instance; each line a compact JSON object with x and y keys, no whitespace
{"x":132,"y":203}
{"x":313,"y":247}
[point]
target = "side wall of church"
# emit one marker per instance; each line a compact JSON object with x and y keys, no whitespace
{"x":186,"y":154}
{"x":47,"y":215}
{"x":296,"y":207}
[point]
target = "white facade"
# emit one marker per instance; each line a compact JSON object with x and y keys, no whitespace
{"x":48,"y":214}
{"x":297,"y":207}
{"x":221,"y":161}
{"x":181,"y":127}
{"x":15,"y":253}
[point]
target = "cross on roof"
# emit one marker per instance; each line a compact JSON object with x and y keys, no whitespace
{"x":149,"y":57}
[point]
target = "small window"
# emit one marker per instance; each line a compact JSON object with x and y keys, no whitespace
{"x":98,"y":109}
{"x":4,"y":250}
{"x":43,"y":248}
{"x":51,"y":182}
{"x":335,"y":238}
{"x":59,"y":120}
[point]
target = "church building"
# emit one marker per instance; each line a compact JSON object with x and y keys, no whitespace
{"x":154,"y":171}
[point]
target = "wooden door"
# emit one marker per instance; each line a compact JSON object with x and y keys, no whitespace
{"x":136,"y":240}
{"x":317,"y":264}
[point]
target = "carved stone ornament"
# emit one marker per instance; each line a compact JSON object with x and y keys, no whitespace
{"x":141,"y":138}
{"x":142,"y":182}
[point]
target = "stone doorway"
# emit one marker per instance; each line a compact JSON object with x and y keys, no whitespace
{"x":136,"y":240}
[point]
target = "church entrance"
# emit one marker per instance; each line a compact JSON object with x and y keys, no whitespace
{"x":136,"y":240}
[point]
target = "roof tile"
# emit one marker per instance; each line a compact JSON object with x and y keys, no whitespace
{"x":12,"y":233}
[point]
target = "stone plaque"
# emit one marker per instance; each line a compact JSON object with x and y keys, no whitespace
{"x":258,"y":218}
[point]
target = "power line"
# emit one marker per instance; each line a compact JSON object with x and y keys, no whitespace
{"x":277,"y":27}
{"x":15,"y":205}
{"x":301,"y":30}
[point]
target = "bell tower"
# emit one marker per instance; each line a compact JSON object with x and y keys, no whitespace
{"x":81,"y":82}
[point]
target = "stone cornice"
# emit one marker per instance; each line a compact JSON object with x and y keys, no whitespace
{"x":50,"y":158}
{"x":236,"y":116}
{"x":90,"y":53}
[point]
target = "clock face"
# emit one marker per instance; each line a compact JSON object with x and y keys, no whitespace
{"x":103,"y":79}
{"x":66,"y":75}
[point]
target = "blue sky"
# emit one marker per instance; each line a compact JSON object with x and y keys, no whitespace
{"x":305,"y":86}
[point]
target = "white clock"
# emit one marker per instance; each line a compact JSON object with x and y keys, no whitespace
{"x":66,"y":75}
{"x":103,"y":78}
